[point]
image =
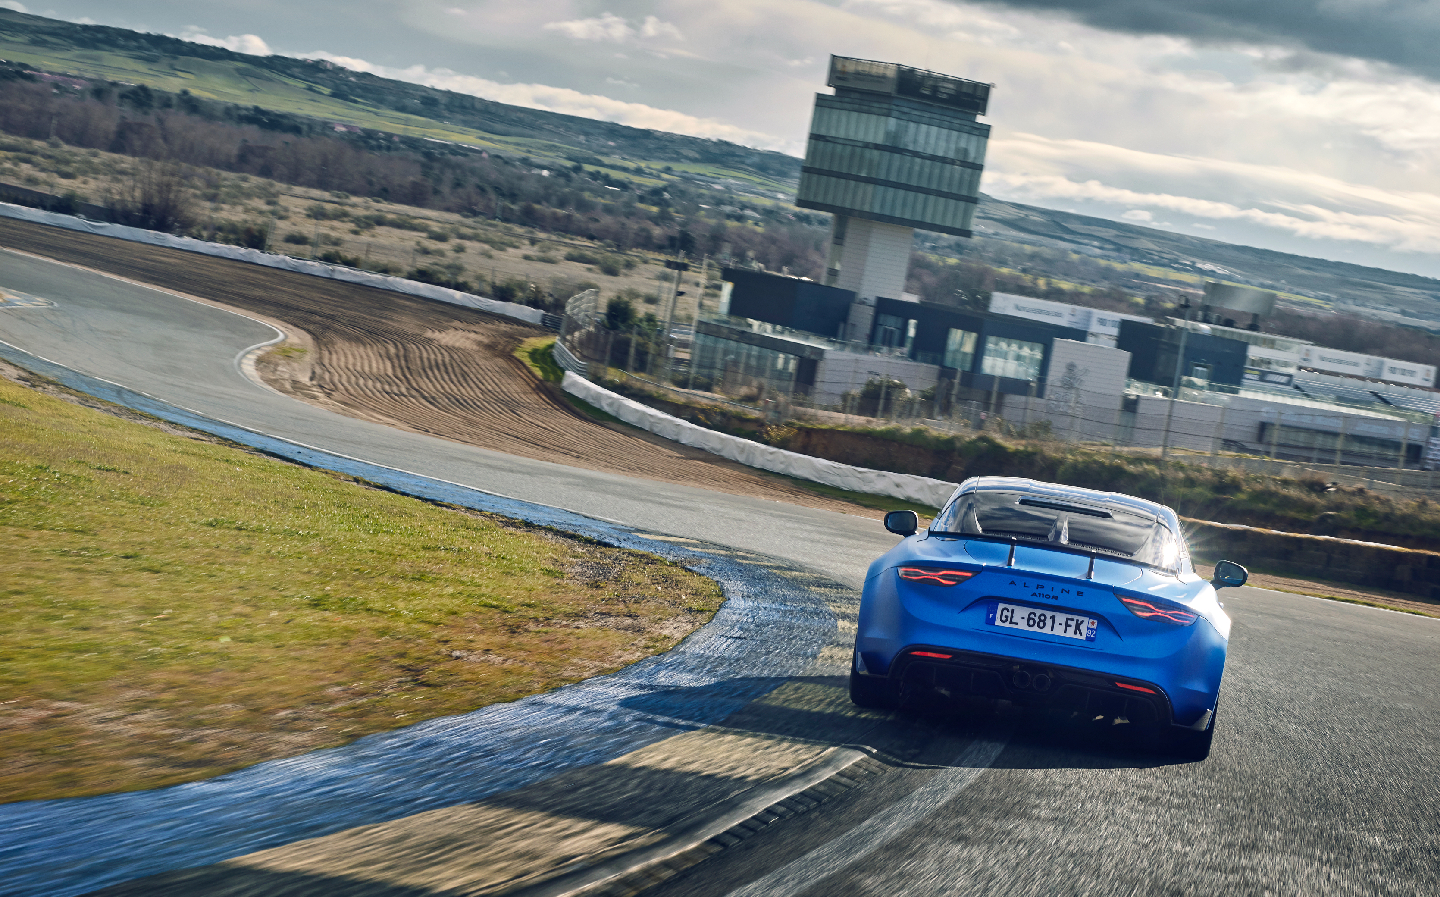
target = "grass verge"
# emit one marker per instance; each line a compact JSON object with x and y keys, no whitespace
{"x":536,"y":355}
{"x":174,"y":608}
{"x":863,"y":499}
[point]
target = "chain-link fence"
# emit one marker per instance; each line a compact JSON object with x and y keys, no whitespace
{"x":1217,"y":426}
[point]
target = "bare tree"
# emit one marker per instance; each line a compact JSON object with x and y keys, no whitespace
{"x":156,"y":195}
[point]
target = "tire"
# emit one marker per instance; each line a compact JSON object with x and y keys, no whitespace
{"x":872,"y":694}
{"x":1193,"y":746}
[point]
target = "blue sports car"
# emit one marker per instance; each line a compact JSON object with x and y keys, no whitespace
{"x":1052,"y":596}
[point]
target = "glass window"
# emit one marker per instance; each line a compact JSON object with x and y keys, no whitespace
{"x":960,"y":349}
{"x":890,"y":331}
{"x":1012,"y":358}
{"x":1063,"y":522}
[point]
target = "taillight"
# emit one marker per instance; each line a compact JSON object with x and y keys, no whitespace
{"x":931,"y":654}
{"x":1165,"y":612}
{"x":1129,"y":687}
{"x":935,"y":576}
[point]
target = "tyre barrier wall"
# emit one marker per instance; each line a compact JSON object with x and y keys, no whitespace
{"x":907,"y":487}
{"x":272,"y":260}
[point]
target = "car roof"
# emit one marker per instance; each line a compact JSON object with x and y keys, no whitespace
{"x":1075,"y":493}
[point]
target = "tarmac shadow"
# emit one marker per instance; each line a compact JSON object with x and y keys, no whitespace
{"x":818,"y":709}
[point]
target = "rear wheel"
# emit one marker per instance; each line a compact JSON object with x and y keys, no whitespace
{"x":872,"y":693}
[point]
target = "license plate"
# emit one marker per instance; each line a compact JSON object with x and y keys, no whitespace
{"x":1035,"y":619}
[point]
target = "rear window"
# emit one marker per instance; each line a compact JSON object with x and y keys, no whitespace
{"x":1119,"y":532}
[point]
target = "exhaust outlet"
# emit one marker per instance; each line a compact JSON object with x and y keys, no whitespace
{"x":1040,"y":682}
{"x":1021,"y":679}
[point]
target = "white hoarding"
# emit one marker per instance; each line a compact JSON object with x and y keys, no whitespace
{"x":1093,"y":321}
{"x":1409,"y":373}
{"x":1337,"y":362}
{"x":1107,"y":323}
{"x":1356,"y":365}
{"x":1040,"y":310}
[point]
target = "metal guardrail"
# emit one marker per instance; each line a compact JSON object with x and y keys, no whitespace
{"x":567,"y":360}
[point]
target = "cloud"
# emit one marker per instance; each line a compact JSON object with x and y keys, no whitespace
{"x":1258,"y":205}
{"x":611,"y":28}
{"x":248,"y":44}
{"x":608,"y":27}
{"x":567,"y":101}
{"x":653,"y":27}
{"x":1408,"y":233}
{"x":1403,"y":33}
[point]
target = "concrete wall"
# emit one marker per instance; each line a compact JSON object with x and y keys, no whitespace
{"x":875,"y":259}
{"x":841,"y":372}
{"x":1205,"y":427}
{"x":1082,"y":395}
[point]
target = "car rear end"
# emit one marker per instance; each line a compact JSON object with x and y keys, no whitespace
{"x":1048,"y":625}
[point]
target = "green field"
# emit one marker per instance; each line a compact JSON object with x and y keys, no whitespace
{"x":175,"y":608}
{"x":250,"y":85}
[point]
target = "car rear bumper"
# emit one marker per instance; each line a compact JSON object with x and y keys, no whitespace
{"x":958,"y":674}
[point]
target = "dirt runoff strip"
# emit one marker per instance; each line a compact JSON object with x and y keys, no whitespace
{"x":411,"y":363}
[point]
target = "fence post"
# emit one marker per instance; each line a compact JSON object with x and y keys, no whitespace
{"x":1275,"y":437}
{"x":954,"y":395}
{"x":1404,"y":446}
{"x":1340,"y":442}
{"x":994,"y":400}
{"x":1219,"y":432}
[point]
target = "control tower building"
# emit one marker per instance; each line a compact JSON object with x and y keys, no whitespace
{"x":892,"y":150}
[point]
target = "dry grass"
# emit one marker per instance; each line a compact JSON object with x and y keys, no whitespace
{"x":481,"y":251}
{"x":172,"y":608}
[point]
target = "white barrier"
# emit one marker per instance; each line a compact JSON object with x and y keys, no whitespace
{"x":272,"y":260}
{"x":921,"y":490}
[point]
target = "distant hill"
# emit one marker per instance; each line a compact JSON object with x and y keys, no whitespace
{"x":1394,"y":295}
{"x":328,"y":91}
{"x":331,"y":93}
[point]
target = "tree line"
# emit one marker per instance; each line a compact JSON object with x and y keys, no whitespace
{"x":177,"y":136}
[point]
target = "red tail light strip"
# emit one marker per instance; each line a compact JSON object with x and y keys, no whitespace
{"x":931,"y":654}
{"x":1148,"y":691}
{"x":934,"y":576}
{"x":1152,"y":611}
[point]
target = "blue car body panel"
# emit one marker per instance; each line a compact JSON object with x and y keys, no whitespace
{"x":1129,"y":654}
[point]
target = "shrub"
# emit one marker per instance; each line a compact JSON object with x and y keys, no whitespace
{"x":440,"y":278}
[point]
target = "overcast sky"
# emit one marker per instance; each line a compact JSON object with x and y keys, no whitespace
{"x":1309,"y":126}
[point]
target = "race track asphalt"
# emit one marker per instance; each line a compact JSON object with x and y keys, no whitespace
{"x":1326,"y":766}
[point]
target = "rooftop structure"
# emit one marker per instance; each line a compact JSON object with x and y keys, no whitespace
{"x":892,"y":150}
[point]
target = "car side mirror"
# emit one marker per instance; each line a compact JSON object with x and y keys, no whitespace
{"x":902,"y":523}
{"x":1229,"y":574}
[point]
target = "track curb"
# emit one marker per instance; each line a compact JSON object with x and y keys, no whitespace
{"x":723,"y":825}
